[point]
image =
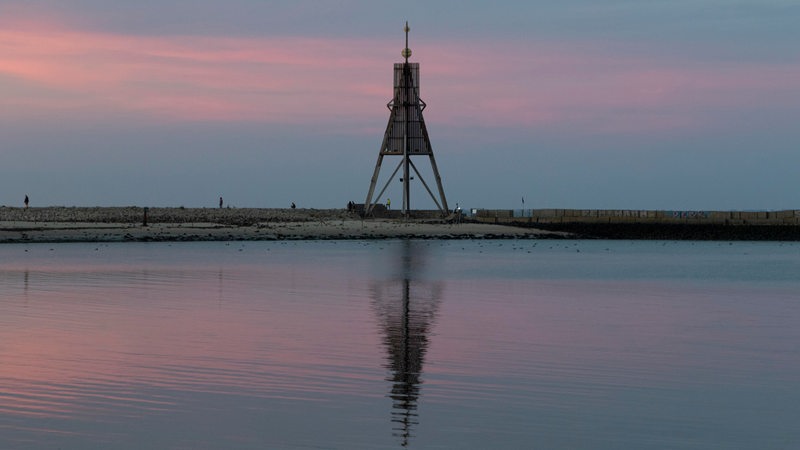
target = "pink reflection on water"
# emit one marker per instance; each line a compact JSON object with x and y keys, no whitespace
{"x":632,"y":333}
{"x":305,"y":333}
{"x":85,"y":342}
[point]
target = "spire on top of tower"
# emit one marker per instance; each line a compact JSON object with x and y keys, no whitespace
{"x":406,"y":51}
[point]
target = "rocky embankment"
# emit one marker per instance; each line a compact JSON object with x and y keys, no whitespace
{"x":106,"y":224}
{"x":135,"y":214}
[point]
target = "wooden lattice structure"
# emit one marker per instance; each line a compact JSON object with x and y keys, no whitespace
{"x":406,"y":136}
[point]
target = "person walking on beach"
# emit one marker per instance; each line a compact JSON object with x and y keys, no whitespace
{"x":388,"y":203}
{"x":220,"y":203}
{"x":26,"y":201}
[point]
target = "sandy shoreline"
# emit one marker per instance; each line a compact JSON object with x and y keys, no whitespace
{"x":19,"y":225}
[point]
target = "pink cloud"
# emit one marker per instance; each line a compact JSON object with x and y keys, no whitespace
{"x":183,"y":78}
{"x":302,"y":80}
{"x":598,"y":89}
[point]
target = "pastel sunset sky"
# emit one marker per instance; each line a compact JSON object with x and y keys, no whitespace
{"x":614,"y":104}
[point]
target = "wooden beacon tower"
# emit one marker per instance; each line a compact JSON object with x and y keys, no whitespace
{"x":406,"y":136}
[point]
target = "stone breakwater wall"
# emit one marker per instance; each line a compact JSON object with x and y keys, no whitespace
{"x":135,"y":214}
{"x":661,"y":225}
{"x":606,"y":216}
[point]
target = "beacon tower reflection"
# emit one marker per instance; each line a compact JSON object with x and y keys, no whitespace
{"x":406,"y":305}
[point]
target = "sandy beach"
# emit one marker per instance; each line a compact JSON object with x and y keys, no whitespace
{"x":101,"y":224}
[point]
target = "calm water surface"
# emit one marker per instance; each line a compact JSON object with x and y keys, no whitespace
{"x":422,"y":344}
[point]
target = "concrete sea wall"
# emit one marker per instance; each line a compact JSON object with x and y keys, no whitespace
{"x":650,"y":224}
{"x":612,"y":216}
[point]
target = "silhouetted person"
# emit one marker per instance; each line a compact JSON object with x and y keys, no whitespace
{"x":27,"y":200}
{"x":293,"y":205}
{"x":220,"y":202}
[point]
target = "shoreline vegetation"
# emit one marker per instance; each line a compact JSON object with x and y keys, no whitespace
{"x":123,"y":224}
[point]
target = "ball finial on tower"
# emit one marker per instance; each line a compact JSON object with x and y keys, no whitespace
{"x":406,"y":53}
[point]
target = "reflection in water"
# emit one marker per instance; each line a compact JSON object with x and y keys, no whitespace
{"x":25,"y":288}
{"x":406,"y":305}
{"x":220,"y":280}
{"x":620,"y":345}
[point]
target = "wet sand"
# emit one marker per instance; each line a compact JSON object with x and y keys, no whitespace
{"x":58,"y":224}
